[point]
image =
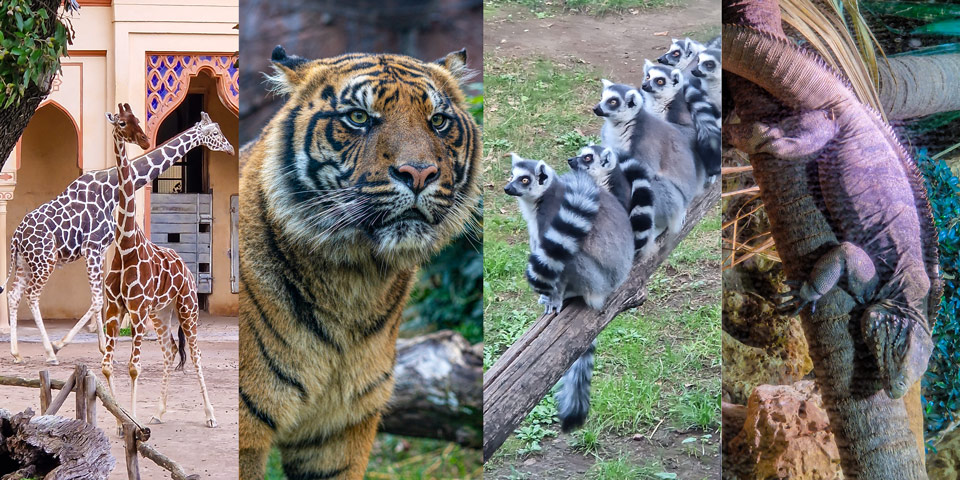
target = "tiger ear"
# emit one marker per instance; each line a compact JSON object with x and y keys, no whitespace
{"x":286,"y":71}
{"x":456,"y":64}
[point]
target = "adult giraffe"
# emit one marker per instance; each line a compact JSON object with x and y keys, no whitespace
{"x":145,"y":278}
{"x":77,"y":223}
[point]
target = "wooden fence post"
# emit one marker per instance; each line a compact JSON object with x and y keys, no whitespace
{"x":90,"y":388}
{"x":45,"y":394}
{"x":534,"y":363}
{"x":130,"y":448}
{"x":62,"y":396}
{"x":81,"y":397}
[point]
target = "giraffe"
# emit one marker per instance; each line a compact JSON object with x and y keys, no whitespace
{"x":145,"y":279}
{"x":71,"y":226}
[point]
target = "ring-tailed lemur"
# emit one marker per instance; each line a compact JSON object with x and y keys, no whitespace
{"x":602,"y":165}
{"x":713,"y":43}
{"x":707,"y":73}
{"x":668,"y":96}
{"x":682,"y":53}
{"x":638,"y":136}
{"x":558,"y":210}
{"x":635,"y":194}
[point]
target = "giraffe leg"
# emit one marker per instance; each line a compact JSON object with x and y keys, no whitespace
{"x":137,"y":319}
{"x":95,"y":276}
{"x":115,"y":311}
{"x":34,"y":298}
{"x":164,"y":330}
{"x":189,"y":322}
{"x":13,"y":304}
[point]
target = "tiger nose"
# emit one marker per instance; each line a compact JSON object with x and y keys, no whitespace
{"x":417,"y":175}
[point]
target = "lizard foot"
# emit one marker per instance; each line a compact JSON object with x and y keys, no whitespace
{"x":793,"y":301}
{"x":899,"y":338}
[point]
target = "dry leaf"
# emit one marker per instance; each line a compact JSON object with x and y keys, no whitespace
{"x":660,"y":34}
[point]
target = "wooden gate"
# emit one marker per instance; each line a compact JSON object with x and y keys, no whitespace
{"x":182,"y":221}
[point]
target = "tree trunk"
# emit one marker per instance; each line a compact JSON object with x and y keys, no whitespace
{"x":438,"y":392}
{"x":14,"y":119}
{"x":52,"y":448}
{"x":535,"y":362}
{"x":873,"y":432}
{"x":915,"y":86}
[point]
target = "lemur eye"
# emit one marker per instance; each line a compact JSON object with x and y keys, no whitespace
{"x":613,"y":102}
{"x":660,"y":81}
{"x":525,"y":180}
{"x":676,"y":53}
{"x":358,"y":117}
{"x":438,"y":121}
{"x":709,"y":64}
{"x":587,"y":158}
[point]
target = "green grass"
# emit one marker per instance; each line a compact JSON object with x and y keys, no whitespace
{"x":405,"y":458}
{"x":657,"y":363}
{"x":546,"y":8}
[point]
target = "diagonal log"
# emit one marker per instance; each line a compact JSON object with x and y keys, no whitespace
{"x":524,"y":374}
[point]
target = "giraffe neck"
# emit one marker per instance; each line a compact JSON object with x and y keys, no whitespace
{"x":146,"y":168}
{"x":162,"y":157}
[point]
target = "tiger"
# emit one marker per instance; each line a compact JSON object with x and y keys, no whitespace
{"x":369,"y":168}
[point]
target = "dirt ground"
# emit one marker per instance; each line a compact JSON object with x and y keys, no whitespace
{"x":617,"y":45}
{"x":211,"y":453}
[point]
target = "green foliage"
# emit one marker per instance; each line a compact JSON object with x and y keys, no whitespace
{"x":29,"y":51}
{"x":941,"y":384}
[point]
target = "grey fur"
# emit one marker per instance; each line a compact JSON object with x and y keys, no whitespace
{"x":573,"y":397}
{"x":603,"y":165}
{"x":708,"y":72}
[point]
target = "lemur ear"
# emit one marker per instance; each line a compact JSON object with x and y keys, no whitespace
{"x":608,"y":157}
{"x":286,"y":71}
{"x":631,"y":98}
{"x":606,"y":83}
{"x":515,"y":159}
{"x":456,"y":64}
{"x":646,"y":65}
{"x":543,"y":172}
{"x":677,"y":76}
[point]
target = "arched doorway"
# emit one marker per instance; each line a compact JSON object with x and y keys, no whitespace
{"x":201,"y":185}
{"x":46,"y":168}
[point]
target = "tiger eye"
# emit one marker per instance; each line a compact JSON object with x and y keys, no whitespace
{"x":438,"y":120}
{"x":359,"y":117}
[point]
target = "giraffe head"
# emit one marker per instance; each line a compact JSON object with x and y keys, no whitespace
{"x":127,"y":126}
{"x":211,"y":136}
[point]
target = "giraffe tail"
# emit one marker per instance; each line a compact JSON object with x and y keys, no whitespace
{"x":10,"y":266}
{"x":183,"y":353}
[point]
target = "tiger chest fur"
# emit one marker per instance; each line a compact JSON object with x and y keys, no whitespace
{"x":369,"y":169}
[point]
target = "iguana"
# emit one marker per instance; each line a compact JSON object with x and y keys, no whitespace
{"x":871,"y":194}
{"x":853,"y":227}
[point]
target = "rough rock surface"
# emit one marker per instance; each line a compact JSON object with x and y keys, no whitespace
{"x":945,"y":463}
{"x":785,"y":435}
{"x":745,"y":366}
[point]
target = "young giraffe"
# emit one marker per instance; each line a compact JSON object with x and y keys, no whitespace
{"x":78,"y":216}
{"x":145,"y":278}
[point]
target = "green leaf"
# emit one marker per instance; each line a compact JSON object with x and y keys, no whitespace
{"x":947,"y":27}
{"x":914,"y":10}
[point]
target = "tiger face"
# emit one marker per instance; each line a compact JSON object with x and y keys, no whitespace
{"x":374,"y":153}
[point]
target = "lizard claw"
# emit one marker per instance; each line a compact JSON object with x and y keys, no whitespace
{"x":793,"y":301}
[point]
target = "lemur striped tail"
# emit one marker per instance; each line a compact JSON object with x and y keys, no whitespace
{"x":573,"y":398}
{"x":706,"y":121}
{"x":639,"y":176}
{"x":564,"y":236}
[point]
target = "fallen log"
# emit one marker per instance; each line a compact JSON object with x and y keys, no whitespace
{"x":52,"y":448}
{"x":533,"y":364}
{"x":438,"y":391}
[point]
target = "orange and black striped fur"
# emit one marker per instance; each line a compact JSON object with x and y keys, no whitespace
{"x":370,"y":167}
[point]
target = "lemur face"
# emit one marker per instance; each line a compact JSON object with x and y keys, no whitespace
{"x":673,"y":56}
{"x":662,"y":82}
{"x":529,"y":179}
{"x":618,"y":102}
{"x":595,"y":160}
{"x":708,"y":64}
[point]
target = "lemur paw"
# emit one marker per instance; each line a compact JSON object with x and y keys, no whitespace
{"x":551,"y":305}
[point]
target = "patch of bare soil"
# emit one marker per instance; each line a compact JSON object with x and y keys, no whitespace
{"x":209,"y":452}
{"x":663,"y":452}
{"x":617,"y":45}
